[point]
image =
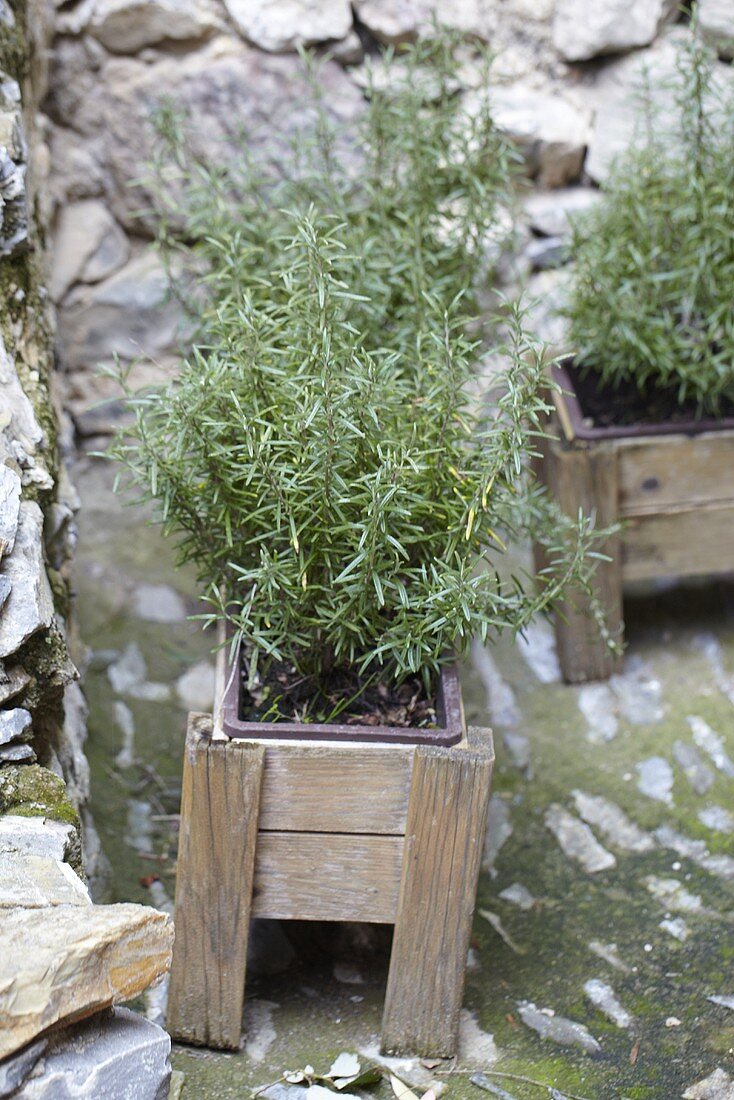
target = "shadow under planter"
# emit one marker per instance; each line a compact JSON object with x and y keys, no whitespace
{"x":670,"y":485}
{"x":331,"y":829}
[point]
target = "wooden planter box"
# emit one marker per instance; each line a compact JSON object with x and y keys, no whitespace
{"x":672,"y":488}
{"x":328,"y":830}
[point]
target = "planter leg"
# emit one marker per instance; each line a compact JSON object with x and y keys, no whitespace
{"x":588,"y":480}
{"x":220,"y":803}
{"x":444,"y":838}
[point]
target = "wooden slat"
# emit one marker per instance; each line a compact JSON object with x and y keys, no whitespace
{"x":336,"y":788}
{"x":443,"y":846}
{"x":675,"y":473}
{"x":681,"y":544}
{"x":219,"y":812}
{"x":586,"y":478}
{"x":312,"y":876}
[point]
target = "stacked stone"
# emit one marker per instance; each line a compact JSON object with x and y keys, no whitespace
{"x":62,"y":959}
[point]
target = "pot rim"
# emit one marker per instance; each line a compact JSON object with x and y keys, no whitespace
{"x":582,"y":430}
{"x":450,"y":708}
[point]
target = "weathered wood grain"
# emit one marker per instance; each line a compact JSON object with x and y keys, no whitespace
{"x":336,"y":788}
{"x":675,"y":473}
{"x":443,"y":846}
{"x":586,"y":479}
{"x":329,"y":876}
{"x":679,"y":544}
{"x":219,"y":814}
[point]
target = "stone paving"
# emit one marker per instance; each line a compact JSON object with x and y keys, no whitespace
{"x":601,"y":961}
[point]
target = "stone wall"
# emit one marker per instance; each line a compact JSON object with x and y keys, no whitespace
{"x":42,"y":715}
{"x":64,"y":962}
{"x":563,"y":72}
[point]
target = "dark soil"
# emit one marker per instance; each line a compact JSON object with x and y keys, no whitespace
{"x":625,"y":405}
{"x":285,"y":695}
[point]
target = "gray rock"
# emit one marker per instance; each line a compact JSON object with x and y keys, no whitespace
{"x":717,"y":1086}
{"x":603,"y":997}
{"x":125,"y":722}
{"x":158,"y":603}
{"x":293,"y":23}
{"x":672,"y":894}
{"x":128,"y":670}
{"x":89,"y":245}
{"x":124,"y":1057}
{"x":38,"y":836}
{"x":598,"y":704}
{"x":22,"y":442}
{"x":550,"y":213}
{"x":395,"y":21}
{"x":547,"y":293}
{"x":655,"y":779}
{"x":582,"y":31}
{"x":609,"y":954}
{"x":29,"y":607}
{"x":558,"y":1029}
{"x":216,"y":86}
{"x":501,"y":703}
{"x":615,"y":94}
{"x":717,"y":818}
{"x":638,"y":693}
{"x":15,"y":1070}
{"x":518,"y":895}
{"x":126,"y":26}
{"x":696,"y":850}
{"x":698,"y":774}
{"x":551,"y":132}
{"x":614,"y":825}
{"x":711,"y":743}
{"x":722,"y":1001}
{"x":716,"y":20}
{"x":499,"y":830}
{"x":12,"y":681}
{"x":195,"y":688}
{"x":675,"y":927}
{"x":15,"y":725}
{"x":537,"y":645}
{"x":577,"y":840}
{"x":17,"y":754}
{"x":10,"y":487}
{"x":125,"y":315}
{"x":6,"y":14}
{"x":710,"y":646}
{"x":36,"y":882}
{"x":544,"y":253}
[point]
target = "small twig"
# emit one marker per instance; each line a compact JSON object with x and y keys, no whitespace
{"x":264,"y":1088}
{"x":510,"y":1077}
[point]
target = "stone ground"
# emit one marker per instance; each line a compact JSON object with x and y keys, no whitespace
{"x":601,"y":964}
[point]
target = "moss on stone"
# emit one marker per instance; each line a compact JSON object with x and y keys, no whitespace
{"x":32,"y":791}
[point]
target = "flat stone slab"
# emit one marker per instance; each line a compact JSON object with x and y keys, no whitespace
{"x":577,"y":840}
{"x":37,"y":882}
{"x":29,"y":606}
{"x":67,"y":962}
{"x":124,"y":1057}
{"x":37,"y":836}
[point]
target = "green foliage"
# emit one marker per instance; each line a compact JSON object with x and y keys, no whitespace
{"x":651,"y":296}
{"x":321,"y":458}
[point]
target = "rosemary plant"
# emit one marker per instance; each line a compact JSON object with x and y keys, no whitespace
{"x":654,"y":260}
{"x":319,"y":458}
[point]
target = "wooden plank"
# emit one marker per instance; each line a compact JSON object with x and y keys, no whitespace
{"x":675,"y":473}
{"x":325,"y":876}
{"x":586,"y":478}
{"x":443,"y":847}
{"x":216,"y":854}
{"x":680,"y":544}
{"x":336,"y":788}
